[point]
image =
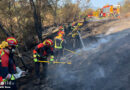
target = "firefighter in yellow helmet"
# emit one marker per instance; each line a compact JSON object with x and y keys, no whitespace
{"x":59,"y":45}
{"x":75,"y":35}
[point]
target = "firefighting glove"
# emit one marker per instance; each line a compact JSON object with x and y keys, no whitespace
{"x":35,"y":60}
{"x":35,"y":56}
{"x":51,"y":58}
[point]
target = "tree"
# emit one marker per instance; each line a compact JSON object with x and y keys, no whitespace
{"x":37,"y":17}
{"x":126,"y":7}
{"x":54,"y":5}
{"x":26,"y":19}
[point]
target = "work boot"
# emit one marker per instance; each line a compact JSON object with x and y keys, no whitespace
{"x":37,"y":81}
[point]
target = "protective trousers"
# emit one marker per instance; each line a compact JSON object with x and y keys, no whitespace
{"x":44,"y":70}
{"x":58,"y":53}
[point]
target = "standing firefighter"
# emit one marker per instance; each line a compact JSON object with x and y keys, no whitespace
{"x":42,"y":52}
{"x":59,"y":43}
{"x":75,"y":35}
{"x":7,"y":66}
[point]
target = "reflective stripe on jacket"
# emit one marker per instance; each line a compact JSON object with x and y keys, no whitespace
{"x":58,"y":43}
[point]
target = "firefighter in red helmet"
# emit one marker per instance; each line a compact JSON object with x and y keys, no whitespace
{"x":42,"y":52}
{"x":8,"y":71}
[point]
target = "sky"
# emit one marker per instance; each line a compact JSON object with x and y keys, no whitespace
{"x":95,"y":4}
{"x":101,"y":3}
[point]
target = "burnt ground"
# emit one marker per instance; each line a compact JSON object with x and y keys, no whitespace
{"x":103,"y":65}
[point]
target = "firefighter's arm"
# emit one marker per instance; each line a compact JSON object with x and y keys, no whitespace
{"x":36,"y":54}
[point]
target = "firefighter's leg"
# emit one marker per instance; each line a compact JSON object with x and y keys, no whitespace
{"x":62,"y":52}
{"x":73,"y":43}
{"x":44,"y":71}
{"x":56,"y":53}
{"x":78,"y":42}
{"x":37,"y":69}
{"x":37,"y":73}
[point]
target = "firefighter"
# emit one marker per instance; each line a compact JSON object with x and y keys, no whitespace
{"x":59,"y":45}
{"x":61,"y":30}
{"x":8,"y":70}
{"x":75,"y":34}
{"x":42,"y":52}
{"x":68,"y":29}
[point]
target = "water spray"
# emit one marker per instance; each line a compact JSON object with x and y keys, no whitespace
{"x":81,"y":40}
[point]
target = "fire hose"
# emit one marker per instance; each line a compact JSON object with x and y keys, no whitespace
{"x":55,"y":62}
{"x":71,"y":51}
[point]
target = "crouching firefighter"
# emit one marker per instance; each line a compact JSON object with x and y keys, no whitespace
{"x":42,"y":52}
{"x":8,"y":71}
{"x":59,"y":43}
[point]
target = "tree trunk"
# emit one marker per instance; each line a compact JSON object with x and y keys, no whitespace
{"x":37,"y":19}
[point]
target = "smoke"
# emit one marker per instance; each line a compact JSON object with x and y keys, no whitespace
{"x":99,"y":73}
{"x":64,"y":74}
{"x":84,"y":73}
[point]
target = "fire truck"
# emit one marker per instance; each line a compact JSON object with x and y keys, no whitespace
{"x":107,"y":11}
{"x":110,"y":11}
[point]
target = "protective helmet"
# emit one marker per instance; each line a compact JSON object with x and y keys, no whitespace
{"x":12,"y":41}
{"x":4,"y":44}
{"x":80,"y":24}
{"x":48,"y":42}
{"x":61,"y":32}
